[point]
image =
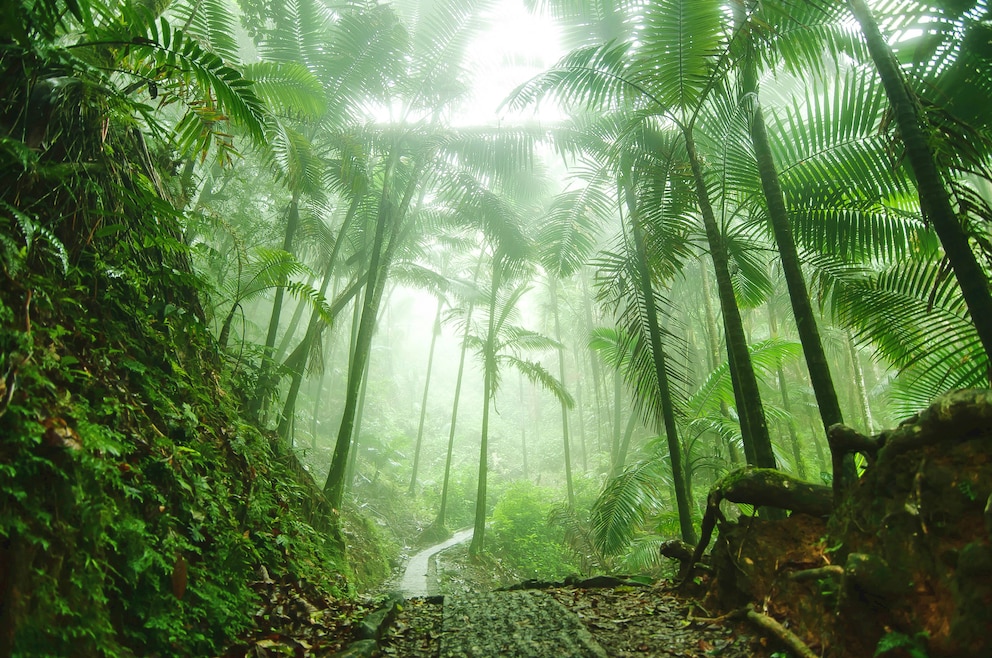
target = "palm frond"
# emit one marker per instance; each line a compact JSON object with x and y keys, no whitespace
{"x":625,"y":503}
{"x":287,"y":88}
{"x":539,"y":375}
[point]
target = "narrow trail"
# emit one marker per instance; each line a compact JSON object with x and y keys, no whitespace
{"x":415,"y":578}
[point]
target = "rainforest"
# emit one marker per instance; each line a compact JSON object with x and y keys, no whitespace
{"x":496,"y":328}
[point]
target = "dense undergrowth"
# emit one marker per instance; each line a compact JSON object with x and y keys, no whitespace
{"x":136,"y":504}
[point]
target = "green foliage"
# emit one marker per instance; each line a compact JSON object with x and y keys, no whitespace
{"x":124,"y":459}
{"x":523,"y":539}
{"x":914,"y":647}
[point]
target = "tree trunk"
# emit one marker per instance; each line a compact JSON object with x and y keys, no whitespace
{"x":593,"y":363}
{"x":802,"y":309}
{"x":617,"y":419}
{"x":264,"y":383}
{"x":523,"y":426}
{"x":334,"y":486}
{"x":454,"y":405}
{"x":479,"y":533}
{"x":934,"y":198}
{"x":661,"y":374}
{"x":435,"y":332}
{"x":859,"y":382}
{"x":751,"y":411}
{"x":790,"y":422}
{"x":564,"y":408}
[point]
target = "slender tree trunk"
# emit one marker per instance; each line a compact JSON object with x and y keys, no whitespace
{"x":523,"y":426}
{"x":564,"y":408}
{"x":334,"y":486}
{"x":755,"y":430}
{"x":713,"y":342}
{"x":859,"y":381}
{"x":802,"y":309}
{"x":593,"y":363}
{"x":315,"y":327}
{"x":790,"y":422}
{"x":628,"y":432}
{"x":661,"y":373}
{"x":581,"y":413}
{"x":489,"y":373}
{"x":435,"y":332}
{"x":390,"y":216}
{"x":356,"y":440}
{"x":934,"y":198}
{"x":454,"y":405}
{"x":317,"y":399}
{"x":617,"y":419}
{"x":294,"y":323}
{"x":257,"y":404}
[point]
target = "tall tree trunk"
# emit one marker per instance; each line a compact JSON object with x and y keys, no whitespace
{"x":390,"y":216}
{"x":315,"y":327}
{"x":628,"y":432}
{"x":564,"y":407}
{"x":435,"y":332}
{"x":617,"y":418}
{"x":580,"y":415}
{"x":334,"y":486}
{"x":646,"y":293}
{"x":754,"y":428}
{"x":317,"y":399}
{"x":264,"y":383}
{"x":593,"y":363}
{"x":713,"y":343}
{"x":802,"y":309}
{"x":934,"y":198}
{"x":859,"y":382}
{"x":454,"y":405}
{"x":523,"y":426}
{"x":349,"y":476}
{"x":790,"y":422}
{"x":489,"y":373}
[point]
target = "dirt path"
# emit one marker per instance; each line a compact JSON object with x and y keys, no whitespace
{"x":415,"y":578}
{"x":560,"y":622}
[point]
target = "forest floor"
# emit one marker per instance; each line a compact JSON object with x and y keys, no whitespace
{"x":599,"y":617}
{"x":620,"y":621}
{"x":582,"y":619}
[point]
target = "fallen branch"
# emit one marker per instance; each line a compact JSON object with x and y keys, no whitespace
{"x":829,"y":571}
{"x":787,"y":637}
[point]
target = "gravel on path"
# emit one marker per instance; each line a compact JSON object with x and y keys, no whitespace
{"x":526,"y":623}
{"x":623,"y":621}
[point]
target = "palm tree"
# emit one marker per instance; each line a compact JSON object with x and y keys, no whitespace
{"x":501,"y":346}
{"x":934,"y":197}
{"x":670,"y":72}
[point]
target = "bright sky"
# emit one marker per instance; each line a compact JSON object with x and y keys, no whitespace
{"x":515,"y":47}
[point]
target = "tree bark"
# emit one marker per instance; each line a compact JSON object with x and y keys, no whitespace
{"x":435,"y":332}
{"x":264,"y":383}
{"x":489,"y":370}
{"x":564,"y":408}
{"x":802,"y":309}
{"x":454,"y":405}
{"x":751,"y":411}
{"x":660,"y":370}
{"x":934,"y":198}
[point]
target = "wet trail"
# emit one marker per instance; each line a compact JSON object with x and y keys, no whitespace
{"x":414,"y":582}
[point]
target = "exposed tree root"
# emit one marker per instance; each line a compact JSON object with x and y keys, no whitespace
{"x":760,"y":487}
{"x":787,"y":637}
